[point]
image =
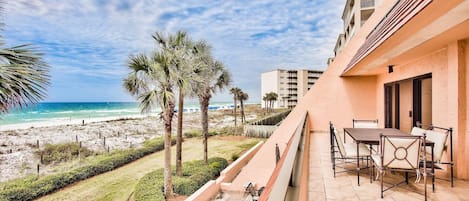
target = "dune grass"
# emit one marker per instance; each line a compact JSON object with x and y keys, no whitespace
{"x":119,"y":184}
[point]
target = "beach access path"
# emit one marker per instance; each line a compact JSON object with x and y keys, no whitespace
{"x":119,"y":183}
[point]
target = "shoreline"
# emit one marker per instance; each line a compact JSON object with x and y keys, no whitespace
{"x":63,"y":122}
{"x":18,"y":143}
{"x":79,"y":120}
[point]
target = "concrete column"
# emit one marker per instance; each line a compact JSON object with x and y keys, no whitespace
{"x":457,"y":106}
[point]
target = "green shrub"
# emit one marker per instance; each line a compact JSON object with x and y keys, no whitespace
{"x":63,"y":152}
{"x":30,"y":188}
{"x":234,"y":157}
{"x":223,"y":163}
{"x":193,"y":133}
{"x":230,"y":130}
{"x":195,"y":175}
{"x":272,"y":119}
{"x":149,"y":187}
{"x":198,"y":133}
{"x":184,"y":185}
{"x":212,"y":133}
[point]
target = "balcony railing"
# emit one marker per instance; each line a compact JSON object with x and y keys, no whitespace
{"x":367,"y":3}
{"x":292,"y":170}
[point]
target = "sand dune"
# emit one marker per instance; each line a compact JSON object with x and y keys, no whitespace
{"x":119,"y":134}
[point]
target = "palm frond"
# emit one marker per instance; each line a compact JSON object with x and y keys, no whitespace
{"x":148,"y":101}
{"x":24,"y":77}
{"x":223,"y":80}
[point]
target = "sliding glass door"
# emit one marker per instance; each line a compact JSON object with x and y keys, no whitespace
{"x":407,"y":102}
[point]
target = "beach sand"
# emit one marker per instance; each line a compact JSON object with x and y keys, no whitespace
{"x":119,"y":134}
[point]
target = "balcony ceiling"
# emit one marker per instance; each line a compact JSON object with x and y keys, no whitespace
{"x":440,"y":23}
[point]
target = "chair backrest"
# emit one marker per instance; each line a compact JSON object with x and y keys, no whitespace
{"x":400,"y":152}
{"x":338,"y":140}
{"x":365,"y":123}
{"x":417,"y":131}
{"x":331,"y":133}
{"x":439,"y":138}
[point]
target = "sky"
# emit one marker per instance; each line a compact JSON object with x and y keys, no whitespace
{"x":87,"y":43}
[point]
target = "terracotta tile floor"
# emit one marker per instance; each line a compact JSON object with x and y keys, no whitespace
{"x":323,"y":185}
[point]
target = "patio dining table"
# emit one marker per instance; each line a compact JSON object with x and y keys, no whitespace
{"x":371,"y":136}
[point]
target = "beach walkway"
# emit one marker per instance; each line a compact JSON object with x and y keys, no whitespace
{"x":119,"y":184}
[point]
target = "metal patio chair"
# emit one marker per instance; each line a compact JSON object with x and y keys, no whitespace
{"x":345,"y":153}
{"x":365,"y":123}
{"x":439,"y":136}
{"x":400,"y":153}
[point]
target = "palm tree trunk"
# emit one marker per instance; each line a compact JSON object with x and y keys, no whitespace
{"x":235,"y":110}
{"x":167,"y":117}
{"x":179,"y":134}
{"x":270,"y":106}
{"x":204,"y":112}
{"x":241,"y":102}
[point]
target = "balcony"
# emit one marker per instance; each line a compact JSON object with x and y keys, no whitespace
{"x":367,"y":4}
{"x":303,"y":171}
{"x":323,"y":185}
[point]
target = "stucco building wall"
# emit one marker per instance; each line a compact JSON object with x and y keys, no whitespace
{"x":340,"y":98}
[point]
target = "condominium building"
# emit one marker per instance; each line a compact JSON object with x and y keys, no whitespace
{"x":354,"y":15}
{"x":289,"y":85}
{"x":406,"y":67}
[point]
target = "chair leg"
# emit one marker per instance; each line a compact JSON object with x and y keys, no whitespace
{"x":406,"y":177}
{"x":433,"y":181}
{"x":382,"y":183}
{"x":425,"y":183}
{"x":452,"y":176}
{"x":371,"y":172}
{"x":333,"y":165}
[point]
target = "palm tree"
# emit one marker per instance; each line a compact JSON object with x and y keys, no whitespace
{"x":243,"y":97}
{"x":235,"y":91}
{"x":266,"y":99}
{"x":214,"y":77}
{"x":24,"y":76}
{"x":269,"y":99}
{"x":273,"y":97}
{"x":151,"y":81}
{"x":180,"y":48}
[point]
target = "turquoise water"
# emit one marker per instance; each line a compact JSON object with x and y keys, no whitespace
{"x":70,"y":111}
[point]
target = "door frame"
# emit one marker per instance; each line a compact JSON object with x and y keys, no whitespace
{"x":389,"y":121}
{"x":417,"y":98}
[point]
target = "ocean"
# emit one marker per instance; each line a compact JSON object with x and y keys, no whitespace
{"x":69,"y":111}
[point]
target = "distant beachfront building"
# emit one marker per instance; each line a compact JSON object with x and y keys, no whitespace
{"x":289,"y":85}
{"x":355,"y":14}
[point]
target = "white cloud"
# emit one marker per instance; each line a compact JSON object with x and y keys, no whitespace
{"x":94,"y":38}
